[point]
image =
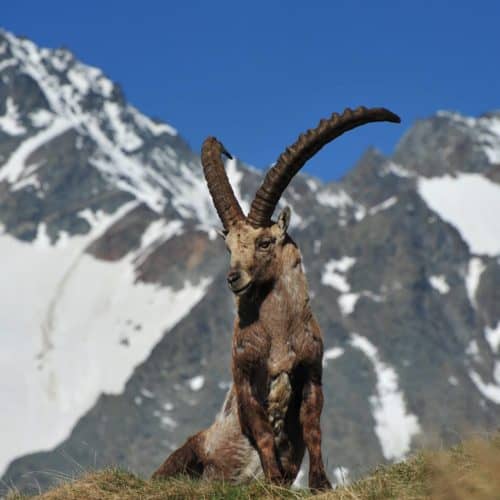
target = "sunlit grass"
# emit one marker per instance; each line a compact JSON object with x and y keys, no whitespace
{"x":468,"y":471}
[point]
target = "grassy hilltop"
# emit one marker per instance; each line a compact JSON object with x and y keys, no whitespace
{"x":469,"y":471}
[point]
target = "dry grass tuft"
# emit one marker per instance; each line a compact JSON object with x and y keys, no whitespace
{"x":115,"y":484}
{"x":470,"y":471}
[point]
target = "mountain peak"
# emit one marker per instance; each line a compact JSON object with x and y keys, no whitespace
{"x":449,"y":142}
{"x":55,"y":68}
{"x":50,"y":101}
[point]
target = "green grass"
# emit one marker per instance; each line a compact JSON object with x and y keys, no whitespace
{"x":468,"y":471}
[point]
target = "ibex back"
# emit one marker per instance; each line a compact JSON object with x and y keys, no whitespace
{"x":272,"y":412}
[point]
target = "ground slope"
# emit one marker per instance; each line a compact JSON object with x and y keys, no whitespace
{"x":469,"y":471}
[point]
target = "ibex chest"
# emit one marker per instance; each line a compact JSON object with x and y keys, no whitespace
{"x":269,"y":352}
{"x":282,"y":357}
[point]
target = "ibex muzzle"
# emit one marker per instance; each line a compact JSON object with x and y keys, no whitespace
{"x":239,"y":282}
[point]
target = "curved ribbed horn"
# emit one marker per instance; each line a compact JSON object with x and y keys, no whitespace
{"x":306,"y":146}
{"x":225,"y":202}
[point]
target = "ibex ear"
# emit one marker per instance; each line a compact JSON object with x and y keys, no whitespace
{"x":284,"y":219}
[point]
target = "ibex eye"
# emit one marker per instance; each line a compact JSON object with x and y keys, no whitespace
{"x":264,"y":244}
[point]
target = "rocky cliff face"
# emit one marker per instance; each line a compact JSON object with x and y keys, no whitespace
{"x":116,"y":319}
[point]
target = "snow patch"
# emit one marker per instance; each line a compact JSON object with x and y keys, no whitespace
{"x":300,"y":480}
{"x":456,"y":117}
{"x":13,"y":169}
{"x":42,"y":240}
{"x":128,"y":174}
{"x":493,"y":337}
{"x":168,"y":421}
{"x":383,"y":206}
{"x":334,"y":273}
{"x":196,"y":383}
{"x":331,"y":354}
{"x":341,"y":476}
{"x":397,"y":170}
{"x":472,"y":350}
{"x":160,"y":230}
{"x":485,"y":131}
{"x":40,"y":118}
{"x":235,"y":176}
{"x":147,"y":393}
{"x":124,"y":136}
{"x":212,"y":234}
{"x":157,"y":233}
{"x":490,"y":391}
{"x":360,"y":212}
{"x":85,"y":78}
{"x":334,"y":199}
{"x":10,"y":122}
{"x":490,"y":138}
{"x":395,"y":427}
{"x":94,"y":219}
{"x":473,"y":278}
{"x":60,"y":59}
{"x":154,"y":127}
{"x":77,"y":77}
{"x":192,"y":199}
{"x":347,"y":303}
{"x":312,"y":184}
{"x":439,"y":283}
{"x":7,"y":63}
{"x":470,"y":203}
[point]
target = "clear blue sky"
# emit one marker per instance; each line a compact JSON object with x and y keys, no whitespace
{"x":257,"y":73}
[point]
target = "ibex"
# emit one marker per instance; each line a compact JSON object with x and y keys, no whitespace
{"x":272,"y":411}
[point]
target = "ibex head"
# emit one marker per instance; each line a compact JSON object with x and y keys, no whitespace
{"x":255,"y":241}
{"x":256,"y":253}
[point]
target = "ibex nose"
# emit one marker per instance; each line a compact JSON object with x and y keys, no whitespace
{"x":233,"y":277}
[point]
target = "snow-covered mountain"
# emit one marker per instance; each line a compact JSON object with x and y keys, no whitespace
{"x":73,"y":166}
{"x":115,"y":318}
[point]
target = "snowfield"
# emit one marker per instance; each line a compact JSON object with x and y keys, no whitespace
{"x":76,"y":314}
{"x":470,"y":203}
{"x":395,"y":426}
{"x":66,"y":314}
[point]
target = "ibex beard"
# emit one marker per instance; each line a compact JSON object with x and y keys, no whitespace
{"x":271,"y":414}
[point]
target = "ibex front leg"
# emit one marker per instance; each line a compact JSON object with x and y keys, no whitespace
{"x":255,"y":425}
{"x":310,"y":412}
